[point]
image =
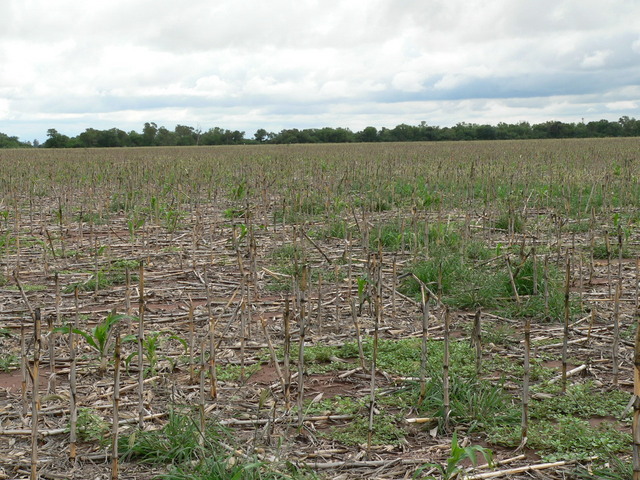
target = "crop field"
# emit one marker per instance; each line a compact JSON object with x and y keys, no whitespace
{"x":398,"y":310}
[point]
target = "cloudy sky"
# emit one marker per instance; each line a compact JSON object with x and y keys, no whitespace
{"x":249,"y":64}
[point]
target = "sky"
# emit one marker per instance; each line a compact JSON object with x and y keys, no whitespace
{"x":250,"y":64}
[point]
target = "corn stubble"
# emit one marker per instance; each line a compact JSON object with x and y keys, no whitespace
{"x":201,"y":220}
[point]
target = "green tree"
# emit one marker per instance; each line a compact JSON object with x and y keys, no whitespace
{"x":185,"y":135}
{"x":260,"y":135}
{"x":369,"y":134}
{"x":13,"y":142}
{"x":55,"y":139}
{"x":165,"y":137}
{"x":149,"y":133}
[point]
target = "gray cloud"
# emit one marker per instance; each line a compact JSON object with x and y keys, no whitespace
{"x":281,"y":64}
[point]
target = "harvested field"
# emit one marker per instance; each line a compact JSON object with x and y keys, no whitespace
{"x":334,"y":311}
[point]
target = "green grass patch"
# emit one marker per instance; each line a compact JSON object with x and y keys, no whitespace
{"x":285,"y":258}
{"x":613,"y":469}
{"x":92,"y":427}
{"x":387,"y":430}
{"x":192,"y":453}
{"x":233,"y":373}
{"x":27,"y":287}
{"x":395,"y":234}
{"x":565,"y":438}
{"x":601,"y":252}
{"x":464,"y":282}
{"x":336,"y":228}
{"x":512,"y":223}
{"x":581,"y":401}
{"x":8,"y":362}
{"x":179,"y":441}
{"x":91,"y":218}
{"x":114,"y":274}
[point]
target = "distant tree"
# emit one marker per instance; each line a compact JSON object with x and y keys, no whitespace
{"x":404,"y":133}
{"x":113,"y":137}
{"x":12,"y":142}
{"x":165,"y":137}
{"x":89,"y":138}
{"x":260,"y":135}
{"x":630,"y":126}
{"x":369,"y":134}
{"x":485,"y":132}
{"x":220,"y":136}
{"x":427,"y":133}
{"x":55,"y":139}
{"x":135,"y":139}
{"x":185,"y":135}
{"x":149,"y":133}
{"x":464,"y":131}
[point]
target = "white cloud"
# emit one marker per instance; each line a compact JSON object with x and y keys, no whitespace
{"x":310,"y":63}
{"x":625,"y":105}
{"x":408,"y":81}
{"x":596,"y":59}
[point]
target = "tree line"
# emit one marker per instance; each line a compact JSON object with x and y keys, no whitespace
{"x":183,"y":135}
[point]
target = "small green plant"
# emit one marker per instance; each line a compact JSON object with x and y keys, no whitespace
{"x":474,"y":403}
{"x":582,"y":401}
{"x":318,"y":358}
{"x":337,"y":228}
{"x":5,"y":332}
{"x":98,"y":337}
{"x":499,"y":334}
{"x":150,"y":347}
{"x":565,"y":437}
{"x":91,"y":217}
{"x":114,"y":274}
{"x":579,"y":226}
{"x":122,"y":264}
{"x":239,"y":191}
{"x":133,"y":224}
{"x":91,"y":426}
{"x":231,"y":213}
{"x":386,"y":430}
{"x":512,"y":223}
{"x":613,"y":469}
{"x":454,"y":465}
{"x":601,"y":252}
{"x":179,"y":441}
{"x":8,"y":363}
{"x":192,"y":453}
{"x":467,"y":283}
{"x":233,"y":373}
{"x":29,"y":288}
{"x":287,"y":252}
{"x":230,"y":468}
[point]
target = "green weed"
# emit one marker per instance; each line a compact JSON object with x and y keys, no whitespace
{"x":565,"y":437}
{"x":458,"y":454}
{"x":98,"y":337}
{"x":8,"y":362}
{"x":386,"y":430}
{"x":613,"y":469}
{"x":150,"y":347}
{"x":233,"y":373}
{"x":468,"y":284}
{"x":91,"y":427}
{"x":114,"y":274}
{"x":179,"y":441}
{"x":512,"y":223}
{"x":582,"y":401}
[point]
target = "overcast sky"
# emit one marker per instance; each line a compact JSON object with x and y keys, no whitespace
{"x":249,"y":64}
